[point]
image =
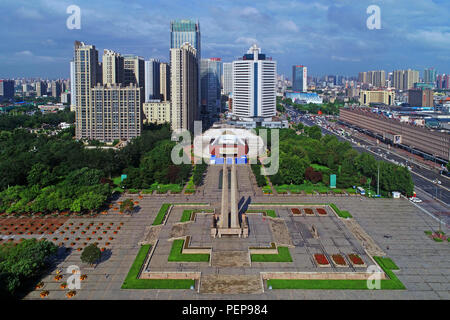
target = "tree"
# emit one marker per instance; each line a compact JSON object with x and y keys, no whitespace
{"x":127,"y":206}
{"x":91,"y":254}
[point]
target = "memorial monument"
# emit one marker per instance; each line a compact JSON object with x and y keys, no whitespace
{"x":227,"y":223}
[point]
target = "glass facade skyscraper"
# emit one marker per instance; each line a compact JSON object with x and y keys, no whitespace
{"x":299,"y":78}
{"x":182,"y":31}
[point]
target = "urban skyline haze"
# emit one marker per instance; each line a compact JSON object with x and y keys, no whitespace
{"x":330,"y":37}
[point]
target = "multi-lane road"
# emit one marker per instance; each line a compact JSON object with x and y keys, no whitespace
{"x":432,"y":188}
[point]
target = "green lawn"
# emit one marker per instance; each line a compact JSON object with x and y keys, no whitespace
{"x":269,"y":213}
{"x":161,"y":214}
{"x":282,"y":256}
{"x":117,"y":180}
{"x":393,"y":283}
{"x":132,"y":281}
{"x":186,"y":216}
{"x":176,"y":255}
{"x":340,"y":213}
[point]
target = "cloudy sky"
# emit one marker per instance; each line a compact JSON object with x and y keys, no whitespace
{"x":328,"y":36}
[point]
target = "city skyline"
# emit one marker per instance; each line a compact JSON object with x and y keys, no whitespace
{"x":328,"y":37}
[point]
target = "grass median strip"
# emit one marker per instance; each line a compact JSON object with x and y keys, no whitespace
{"x":132,"y":281}
{"x":161,"y":214}
{"x":393,"y":283}
{"x":176,"y":254}
{"x":282,"y":256}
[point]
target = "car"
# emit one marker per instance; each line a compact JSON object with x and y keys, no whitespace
{"x":416,"y":200}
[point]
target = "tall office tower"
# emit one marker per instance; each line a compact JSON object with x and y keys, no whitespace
{"x":164,"y":81}
{"x":6,"y":89}
{"x":429,"y":75}
{"x":184,"y":87}
{"x":73,"y":93}
{"x":439,"y":81}
{"x":152,"y":80}
{"x":182,"y":31}
{"x":41,"y":88}
{"x":299,"y":78}
{"x":113,"y":67}
{"x":56,"y":89}
{"x":227,"y":78}
{"x":405,"y":79}
{"x":116,"y":112}
{"x":210,"y":76}
{"x":254,"y":85}
{"x":85,"y":65}
{"x":134,"y":70}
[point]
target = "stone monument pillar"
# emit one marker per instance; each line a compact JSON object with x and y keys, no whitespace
{"x":223,"y":222}
{"x":234,"y":198}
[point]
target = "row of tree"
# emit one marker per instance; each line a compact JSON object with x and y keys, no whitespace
{"x":299,"y":152}
{"x":10,"y":121}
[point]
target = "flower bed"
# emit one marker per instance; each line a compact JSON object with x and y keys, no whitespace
{"x":339,"y":260}
{"x":321,"y":260}
{"x":296,"y":211}
{"x":321,"y":211}
{"x":356,"y":260}
{"x":438,"y":236}
{"x":309,"y":211}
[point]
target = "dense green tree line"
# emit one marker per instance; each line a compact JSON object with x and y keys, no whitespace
{"x":298,"y":152}
{"x":10,"y":121}
{"x":326,"y":108}
{"x":43,"y":173}
{"x":21,"y":263}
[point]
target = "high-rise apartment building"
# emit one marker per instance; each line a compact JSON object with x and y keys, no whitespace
{"x":113,"y":67}
{"x":254,"y":85}
{"x":157,"y":112}
{"x":164,"y":81}
{"x":184,"y":87}
{"x":116,"y":112}
{"x":86,"y":64}
{"x":210,"y":79}
{"x":442,"y":81}
{"x":6,"y":89}
{"x":429,"y":75}
{"x":375,"y":78}
{"x":108,"y":111}
{"x":56,"y":89}
{"x":299,"y":78}
{"x":152,"y":80}
{"x":404,"y":79}
{"x":227,"y":78}
{"x":134,"y":70}
{"x":41,"y":88}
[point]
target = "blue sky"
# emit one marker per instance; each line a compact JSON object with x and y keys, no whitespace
{"x":328,"y":36}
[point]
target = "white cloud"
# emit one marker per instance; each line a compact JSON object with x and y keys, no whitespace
{"x":345,"y":59}
{"x":29,"y":13}
{"x":289,"y":25}
{"x":246,"y":40}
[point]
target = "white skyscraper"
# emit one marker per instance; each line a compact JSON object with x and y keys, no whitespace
{"x":254,"y":85}
{"x":73,"y":94}
{"x":227,"y":78}
{"x":152,"y":80}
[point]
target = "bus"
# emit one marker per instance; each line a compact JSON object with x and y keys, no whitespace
{"x":361,"y":191}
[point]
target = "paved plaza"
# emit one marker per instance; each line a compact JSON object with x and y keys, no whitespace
{"x":394,"y":227}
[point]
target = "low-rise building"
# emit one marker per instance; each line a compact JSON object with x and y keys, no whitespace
{"x":156,"y":111}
